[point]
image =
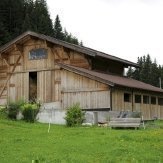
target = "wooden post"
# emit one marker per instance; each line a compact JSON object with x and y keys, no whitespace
{"x":110,"y":98}
{"x":132,"y":100}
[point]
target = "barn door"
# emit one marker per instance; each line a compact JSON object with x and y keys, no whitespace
{"x":32,"y":86}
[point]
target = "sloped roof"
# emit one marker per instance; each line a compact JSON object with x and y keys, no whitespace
{"x":82,"y":49}
{"x":112,"y":80}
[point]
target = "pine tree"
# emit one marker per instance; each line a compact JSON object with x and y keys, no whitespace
{"x":11,"y":16}
{"x":146,"y":69}
{"x":161,"y":75}
{"x":40,"y":18}
{"x":58,"y":33}
{"x":70,"y":38}
{"x":149,"y":72}
{"x":27,"y":23}
{"x":4,"y":35}
{"x":81,"y":43}
{"x":154,"y":74}
{"x":28,"y":9}
{"x":18,"y":16}
{"x":130,"y":72}
{"x":65,"y":36}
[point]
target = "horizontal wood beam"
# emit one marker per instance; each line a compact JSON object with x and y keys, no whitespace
{"x":10,"y":85}
{"x":3,"y":97}
{"x":3,"y":67}
{"x":63,"y":59}
{"x":35,"y":70}
{"x":84,"y":90}
{"x":12,"y":64}
{"x":97,"y":109}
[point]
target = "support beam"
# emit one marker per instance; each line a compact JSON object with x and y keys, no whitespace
{"x":18,"y":47}
{"x":55,"y":51}
{"x":6,"y":62}
{"x":8,"y":78}
{"x":4,"y":59}
{"x":45,"y":44}
{"x":0,"y":55}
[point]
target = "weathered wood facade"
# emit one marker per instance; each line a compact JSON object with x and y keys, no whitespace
{"x":149,"y":110}
{"x":65,"y":76}
{"x":16,"y":66}
{"x":89,"y":93}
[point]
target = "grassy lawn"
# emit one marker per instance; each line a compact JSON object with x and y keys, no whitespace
{"x":22,"y":142}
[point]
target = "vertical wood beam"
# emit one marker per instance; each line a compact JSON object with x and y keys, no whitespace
{"x":132,"y":100}
{"x":45,"y":44}
{"x":1,"y":55}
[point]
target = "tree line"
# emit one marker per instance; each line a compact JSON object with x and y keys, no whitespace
{"x":149,"y":71}
{"x":18,"y":16}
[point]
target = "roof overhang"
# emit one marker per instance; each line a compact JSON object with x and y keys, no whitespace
{"x":74,"y":70}
{"x":85,"y":50}
{"x":112,"y":80}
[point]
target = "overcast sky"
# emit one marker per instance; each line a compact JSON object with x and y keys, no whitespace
{"x":124,"y":28}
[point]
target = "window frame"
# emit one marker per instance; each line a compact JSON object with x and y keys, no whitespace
{"x":139,"y":101}
{"x":160,"y":103}
{"x":153,"y":103}
{"x":145,"y":101}
{"x":40,"y":56}
{"x":129,"y":97}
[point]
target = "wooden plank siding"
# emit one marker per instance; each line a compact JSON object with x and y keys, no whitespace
{"x":48,"y":73}
{"x":118,"y":101}
{"x":3,"y":78}
{"x":149,"y":111}
{"x":78,"y":89}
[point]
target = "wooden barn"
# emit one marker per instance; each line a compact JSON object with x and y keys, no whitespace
{"x":59,"y":74}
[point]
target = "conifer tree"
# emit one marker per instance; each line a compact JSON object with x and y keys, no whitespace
{"x":4,"y":35}
{"x":146,"y":69}
{"x":63,"y":35}
{"x":18,"y":16}
{"x":27,"y":23}
{"x":130,"y":72}
{"x":149,"y":72}
{"x":154,"y":74}
{"x":58,"y":33}
{"x":11,"y":16}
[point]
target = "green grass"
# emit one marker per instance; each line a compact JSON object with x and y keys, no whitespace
{"x":22,"y":142}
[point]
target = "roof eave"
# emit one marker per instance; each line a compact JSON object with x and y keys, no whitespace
{"x":85,"y":74}
{"x":82,"y":49}
{"x":149,"y":90}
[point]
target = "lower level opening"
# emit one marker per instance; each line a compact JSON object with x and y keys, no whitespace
{"x":32,"y":86}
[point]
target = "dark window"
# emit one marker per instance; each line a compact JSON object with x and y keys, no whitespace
{"x":127,"y":97}
{"x":38,"y":54}
{"x":137,"y":98}
{"x":153,"y":100}
{"x":160,"y":101}
{"x":146,"y":99}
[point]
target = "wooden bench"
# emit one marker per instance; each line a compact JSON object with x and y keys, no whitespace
{"x":125,"y":122}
